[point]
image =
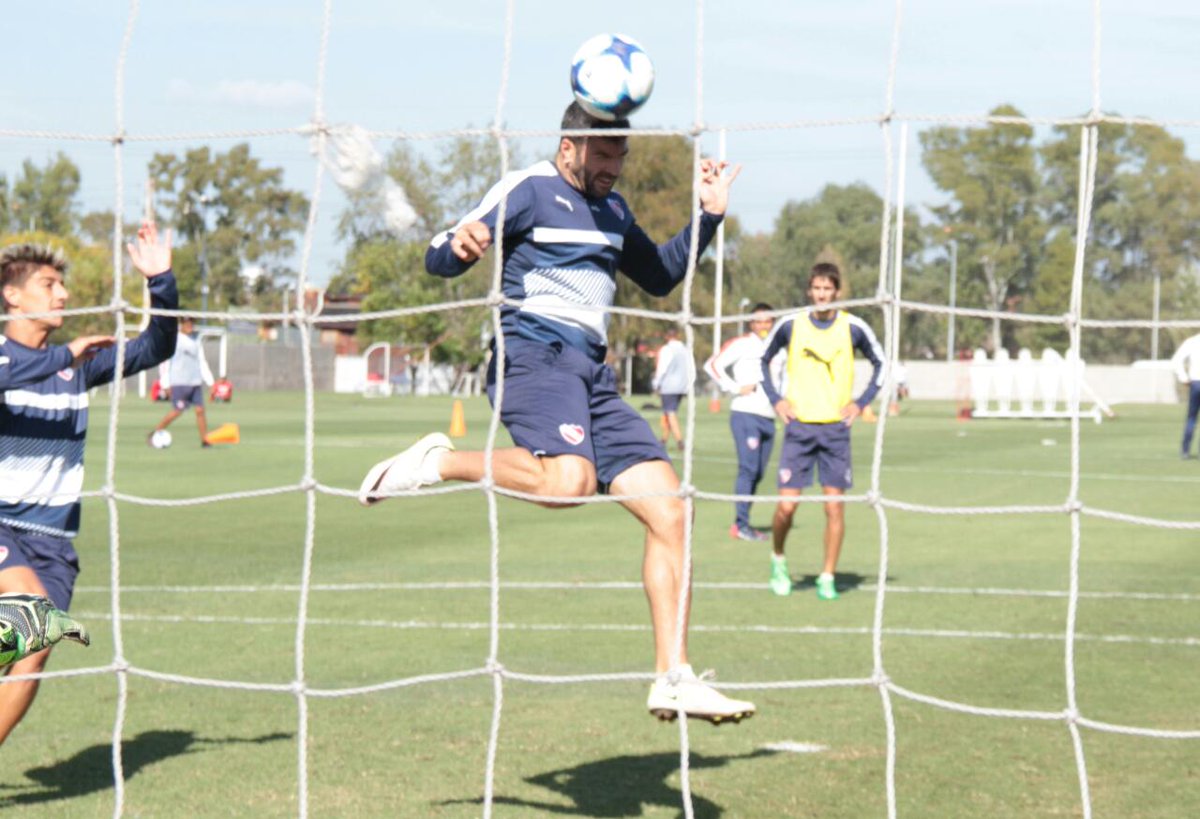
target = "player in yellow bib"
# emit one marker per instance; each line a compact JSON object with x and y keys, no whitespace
{"x":818,"y":408}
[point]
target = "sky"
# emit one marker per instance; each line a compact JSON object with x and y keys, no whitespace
{"x":199,"y":72}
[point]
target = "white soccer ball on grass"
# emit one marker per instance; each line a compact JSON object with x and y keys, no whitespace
{"x":161,"y":439}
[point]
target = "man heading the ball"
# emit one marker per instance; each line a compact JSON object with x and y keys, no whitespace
{"x":43,"y":423}
{"x":566,"y":234}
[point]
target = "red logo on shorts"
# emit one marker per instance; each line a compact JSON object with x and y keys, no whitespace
{"x":752,"y":443}
{"x":3,"y":553}
{"x":785,"y":475}
{"x":571,"y":433}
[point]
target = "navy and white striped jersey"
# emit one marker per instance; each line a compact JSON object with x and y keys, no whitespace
{"x":44,"y":416}
{"x":562,"y":251}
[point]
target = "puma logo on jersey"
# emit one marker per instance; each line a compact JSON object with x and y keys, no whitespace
{"x":564,"y":203}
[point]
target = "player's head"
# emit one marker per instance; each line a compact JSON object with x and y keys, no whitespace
{"x":591,"y":164}
{"x":31,"y":279}
{"x":824,"y":283}
{"x":671,"y":333}
{"x":761,"y":320}
{"x":186,"y":324}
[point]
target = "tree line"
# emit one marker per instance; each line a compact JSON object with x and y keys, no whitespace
{"x":1007,"y":214}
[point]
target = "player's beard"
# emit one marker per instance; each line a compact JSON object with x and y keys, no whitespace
{"x":596,"y":185}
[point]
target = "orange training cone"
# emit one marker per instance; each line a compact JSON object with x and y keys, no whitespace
{"x":458,"y":421}
{"x":225,"y":434}
{"x":714,"y":404}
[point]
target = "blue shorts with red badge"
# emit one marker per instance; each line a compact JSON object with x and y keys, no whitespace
{"x":187,"y":396}
{"x":558,"y":401}
{"x":825,"y":446}
{"x":53,"y":560}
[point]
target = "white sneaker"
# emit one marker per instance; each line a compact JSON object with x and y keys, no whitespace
{"x":695,"y":698}
{"x":404,"y":471}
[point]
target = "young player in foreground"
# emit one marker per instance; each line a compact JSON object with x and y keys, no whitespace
{"x":43,"y":419}
{"x":817,"y":412}
{"x":566,"y":233}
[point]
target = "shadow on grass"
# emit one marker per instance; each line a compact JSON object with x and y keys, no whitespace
{"x":842,"y":581}
{"x":621,"y":786}
{"x":91,"y":770}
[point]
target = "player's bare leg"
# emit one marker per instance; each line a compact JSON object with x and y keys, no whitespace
{"x":835,"y":531}
{"x":433,"y":459}
{"x":202,"y":424}
{"x":16,"y":697}
{"x":675,"y":429}
{"x":665,"y":519}
{"x":168,"y":419}
{"x":781,"y":579}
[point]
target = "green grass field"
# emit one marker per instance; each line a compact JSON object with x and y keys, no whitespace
{"x":211,"y":591}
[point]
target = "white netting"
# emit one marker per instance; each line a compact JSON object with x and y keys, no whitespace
{"x":888,"y":299}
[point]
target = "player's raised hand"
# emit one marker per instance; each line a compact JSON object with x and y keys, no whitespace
{"x":715,"y":180}
{"x":86,"y":347}
{"x":471,"y":241}
{"x":151,"y":254}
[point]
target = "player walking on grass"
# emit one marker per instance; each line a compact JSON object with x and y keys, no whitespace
{"x":189,"y":373}
{"x":566,"y":235}
{"x":817,"y":412}
{"x":43,"y":423}
{"x":672,"y":380}
{"x":737,"y":369}
{"x":1186,"y":363}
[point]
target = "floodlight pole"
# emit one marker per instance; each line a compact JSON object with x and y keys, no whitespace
{"x":1154,"y":316}
{"x":742,"y":305}
{"x":953,"y":295}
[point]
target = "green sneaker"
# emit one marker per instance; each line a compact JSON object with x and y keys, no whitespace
{"x":781,"y":581}
{"x":825,"y":588}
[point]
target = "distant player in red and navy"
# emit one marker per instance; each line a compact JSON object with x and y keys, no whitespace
{"x":672,"y":379}
{"x":737,"y":369}
{"x":43,"y":423}
{"x":817,"y":411}
{"x":566,"y":235}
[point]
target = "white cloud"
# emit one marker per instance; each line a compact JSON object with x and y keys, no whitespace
{"x":245,"y":93}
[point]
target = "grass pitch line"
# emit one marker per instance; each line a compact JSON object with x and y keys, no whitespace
{"x":403,"y":625}
{"x":622,"y":585}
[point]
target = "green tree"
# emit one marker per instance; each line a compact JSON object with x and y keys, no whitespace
{"x":236,"y":213}
{"x":993,"y":181}
{"x":44,"y":199}
{"x":1145,"y":212}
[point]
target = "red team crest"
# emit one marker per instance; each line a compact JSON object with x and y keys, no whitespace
{"x":752,"y":443}
{"x":571,"y":433}
{"x":785,"y":475}
{"x":617,"y":209}
{"x":3,"y":553}
{"x":67,"y":374}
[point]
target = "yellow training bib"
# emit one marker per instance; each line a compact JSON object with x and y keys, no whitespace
{"x":820,"y":369}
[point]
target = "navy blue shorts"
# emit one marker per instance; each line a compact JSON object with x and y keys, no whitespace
{"x":670,"y":401}
{"x":826,"y":446}
{"x":187,"y":396}
{"x":557,"y":401}
{"x":53,"y":560}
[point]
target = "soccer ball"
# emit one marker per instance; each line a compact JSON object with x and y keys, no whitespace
{"x":611,"y":76}
{"x":161,"y":439}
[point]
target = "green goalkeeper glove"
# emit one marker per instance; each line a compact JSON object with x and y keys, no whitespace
{"x":29,"y":623}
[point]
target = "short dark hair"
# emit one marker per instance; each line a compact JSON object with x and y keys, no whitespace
{"x":577,"y":119}
{"x":826,"y":270}
{"x":19,"y":262}
{"x":762,"y":306}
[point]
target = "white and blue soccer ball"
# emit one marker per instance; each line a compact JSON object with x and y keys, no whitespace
{"x":161,"y":439}
{"x":611,"y":76}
